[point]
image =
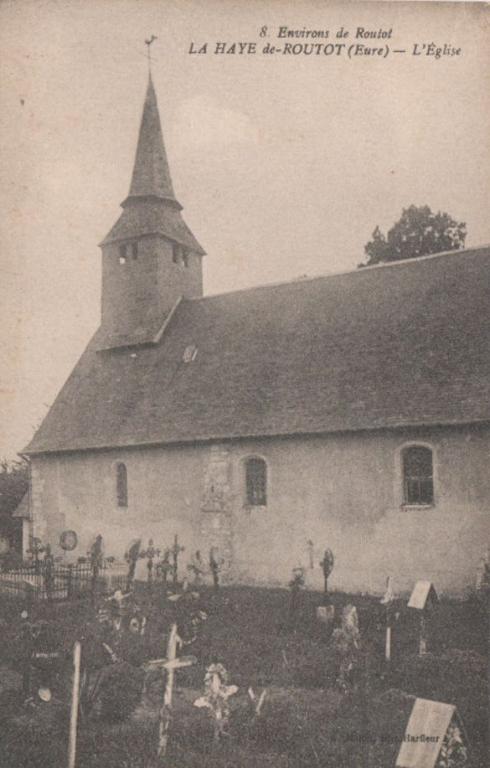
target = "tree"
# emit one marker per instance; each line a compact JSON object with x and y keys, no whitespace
{"x":14,"y":480}
{"x":418,"y":232}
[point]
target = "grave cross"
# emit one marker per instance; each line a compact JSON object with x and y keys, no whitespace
{"x":176,"y":550}
{"x":36,"y":549}
{"x":170,"y":664}
{"x":164,"y":567}
{"x":387,"y":600}
{"x":311,"y":553}
{"x":327,"y":566}
{"x":150,"y":553}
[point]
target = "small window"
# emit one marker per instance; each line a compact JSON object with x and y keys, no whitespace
{"x":185,"y":259}
{"x":175,"y":253}
{"x":418,"y":481}
{"x":122,"y":485}
{"x":134,"y":251}
{"x":122,"y":254}
{"x":256,"y":482}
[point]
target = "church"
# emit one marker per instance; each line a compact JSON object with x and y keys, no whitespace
{"x":350,"y":411}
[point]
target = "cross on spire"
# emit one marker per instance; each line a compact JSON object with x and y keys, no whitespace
{"x":148,"y":43}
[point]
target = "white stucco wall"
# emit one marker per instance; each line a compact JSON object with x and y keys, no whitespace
{"x":340,"y":491}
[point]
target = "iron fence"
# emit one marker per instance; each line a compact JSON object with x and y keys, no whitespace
{"x":57,"y":581}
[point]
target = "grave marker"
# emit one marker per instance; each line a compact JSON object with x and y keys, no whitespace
{"x":434,"y":737}
{"x":483,"y":573}
{"x":170,"y":664}
{"x":176,"y":550}
{"x":346,"y":644}
{"x":327,"y":566}
{"x":325,"y":614}
{"x":75,"y":695}
{"x":423,"y":598}
{"x":387,"y":600}
{"x":215,"y":698}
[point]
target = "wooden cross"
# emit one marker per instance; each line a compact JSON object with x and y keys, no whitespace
{"x":169,"y":664}
{"x":75,"y":696}
{"x":387,"y":600}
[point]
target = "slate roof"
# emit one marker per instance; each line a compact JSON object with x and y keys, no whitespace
{"x":381,"y":347}
{"x":152,"y":217}
{"x":151,"y":174}
{"x":151,"y":206}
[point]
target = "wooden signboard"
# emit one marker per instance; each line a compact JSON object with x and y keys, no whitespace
{"x":433,"y":726}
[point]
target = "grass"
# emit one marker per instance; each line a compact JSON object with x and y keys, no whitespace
{"x":305,"y":720}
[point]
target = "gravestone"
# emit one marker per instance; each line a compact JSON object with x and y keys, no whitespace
{"x":325,"y":614}
{"x":434,"y":737}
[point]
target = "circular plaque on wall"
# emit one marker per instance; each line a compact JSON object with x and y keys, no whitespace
{"x":68,"y":540}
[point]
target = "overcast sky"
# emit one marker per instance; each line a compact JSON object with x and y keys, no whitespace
{"x":284,"y":164}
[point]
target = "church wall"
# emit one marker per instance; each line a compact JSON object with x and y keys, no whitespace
{"x":339,"y":491}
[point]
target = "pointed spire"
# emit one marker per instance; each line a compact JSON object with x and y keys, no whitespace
{"x":151,"y":174}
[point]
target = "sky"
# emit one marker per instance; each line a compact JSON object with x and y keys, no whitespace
{"x":284,"y":163}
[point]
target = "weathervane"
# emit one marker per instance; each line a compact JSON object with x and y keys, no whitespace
{"x":148,"y":43}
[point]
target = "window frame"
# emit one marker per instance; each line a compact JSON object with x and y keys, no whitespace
{"x":402,"y":478}
{"x":256,"y":500}
{"x":122,"y":485}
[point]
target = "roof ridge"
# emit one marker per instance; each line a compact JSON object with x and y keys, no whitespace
{"x":354,"y":271}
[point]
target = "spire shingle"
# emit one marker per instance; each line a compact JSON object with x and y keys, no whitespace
{"x":151,"y":174}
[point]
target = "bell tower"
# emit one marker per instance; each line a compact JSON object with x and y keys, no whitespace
{"x":150,"y":258}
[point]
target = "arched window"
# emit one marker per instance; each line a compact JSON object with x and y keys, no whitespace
{"x":134,"y":251}
{"x":256,"y":482}
{"x":122,"y":485}
{"x":418,"y":480}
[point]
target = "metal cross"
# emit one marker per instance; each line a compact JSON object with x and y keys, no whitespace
{"x":148,"y":52}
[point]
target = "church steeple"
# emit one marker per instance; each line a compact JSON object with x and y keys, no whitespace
{"x":150,"y":258}
{"x":151,"y":174}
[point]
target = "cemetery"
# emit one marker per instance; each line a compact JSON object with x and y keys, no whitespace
{"x":156,"y":662}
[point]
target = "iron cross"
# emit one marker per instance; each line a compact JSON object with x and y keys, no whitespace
{"x":148,"y":43}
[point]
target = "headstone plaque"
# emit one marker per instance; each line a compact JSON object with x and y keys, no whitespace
{"x":434,"y":737}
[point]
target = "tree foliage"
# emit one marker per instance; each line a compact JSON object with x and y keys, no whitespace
{"x":418,"y":232}
{"x":13,"y":485}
